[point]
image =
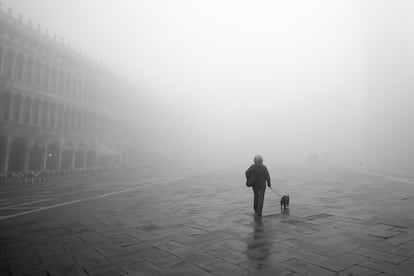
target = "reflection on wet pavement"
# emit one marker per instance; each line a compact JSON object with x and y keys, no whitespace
{"x":338,"y":222}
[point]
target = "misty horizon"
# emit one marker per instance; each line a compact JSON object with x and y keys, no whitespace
{"x":219,"y":82}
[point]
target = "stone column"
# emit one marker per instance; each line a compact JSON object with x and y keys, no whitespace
{"x":4,"y":162}
{"x":85,"y":152}
{"x":59,"y":158}
{"x":44,"y":159}
{"x":72,"y":165}
{"x":26,"y":158}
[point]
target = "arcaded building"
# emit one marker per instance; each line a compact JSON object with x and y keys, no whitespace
{"x":58,"y":108}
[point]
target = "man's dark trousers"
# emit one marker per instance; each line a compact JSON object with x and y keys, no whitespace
{"x":258,"y":199}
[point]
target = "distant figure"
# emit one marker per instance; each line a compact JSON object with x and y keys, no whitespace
{"x":258,"y":175}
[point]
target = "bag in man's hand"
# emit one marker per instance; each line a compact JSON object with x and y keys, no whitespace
{"x":250,"y":180}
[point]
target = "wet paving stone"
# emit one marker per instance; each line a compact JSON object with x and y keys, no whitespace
{"x":358,"y":270}
{"x":342,"y":222}
{"x":342,"y":262}
{"x":318,"y":216}
{"x":188,"y":271}
{"x":306,"y":256}
{"x":107,"y":270}
{"x":143,"y":269}
{"x":218,"y":267}
{"x":66,"y":269}
{"x":51,"y":248}
{"x":229,"y":256}
{"x":302,"y":267}
{"x":337,"y":249}
{"x":157,"y":256}
{"x":328,"y":241}
{"x":123,"y":240}
{"x":377,"y":265}
{"x":92,"y":261}
{"x":124,"y":258}
{"x":270,"y":271}
{"x":391,"y":258}
{"x":169,"y":245}
{"x":190,"y":261}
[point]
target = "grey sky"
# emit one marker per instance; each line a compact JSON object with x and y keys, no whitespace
{"x":283,"y":78}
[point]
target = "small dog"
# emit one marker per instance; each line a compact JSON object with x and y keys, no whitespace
{"x":284,"y":201}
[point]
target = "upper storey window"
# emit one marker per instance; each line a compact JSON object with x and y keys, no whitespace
{"x":46,"y":76}
{"x":1,"y":57}
{"x":38,"y":73}
{"x":53,"y":76}
{"x":19,"y":67}
{"x":29,"y":70}
{"x":8,"y":63}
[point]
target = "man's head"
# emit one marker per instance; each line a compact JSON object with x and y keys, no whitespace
{"x":258,"y":159}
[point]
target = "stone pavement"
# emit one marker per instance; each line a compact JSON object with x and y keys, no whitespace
{"x":340,"y":222}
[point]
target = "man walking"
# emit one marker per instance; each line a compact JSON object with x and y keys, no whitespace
{"x":258,"y":175}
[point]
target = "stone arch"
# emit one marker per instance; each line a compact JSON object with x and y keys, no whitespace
{"x":117,"y":158}
{"x":59,"y":117}
{"x":135,"y":157}
{"x":5,"y":106}
{"x":9,"y":63}
{"x":37,"y":155}
{"x":52,"y":114}
{"x":87,"y":89}
{"x":27,"y":110}
{"x":18,"y":155}
{"x":68,"y":85}
{"x":35,"y":111}
{"x":17,"y":107}
{"x":82,"y":88}
{"x":46,"y":76}
{"x":90,"y":156}
{"x":80,"y":156}
{"x":67,"y":156}
{"x":53,"y":76}
{"x":77,"y":119}
{"x":72,"y":118}
{"x":18,"y":72}
{"x":38,"y":73}
{"x":59,"y":82}
{"x":44,"y":113}
{"x":89,"y":121}
{"x":52,"y":156}
{"x":73,"y":87}
{"x":124,"y":157}
{"x":29,"y":70}
{"x":100,"y":124}
{"x":1,"y":58}
{"x":94,"y":122}
{"x":84,"y":121}
{"x":3,"y":148}
{"x":66,"y":117}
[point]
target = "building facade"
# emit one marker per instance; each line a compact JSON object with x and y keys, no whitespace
{"x":58,"y":108}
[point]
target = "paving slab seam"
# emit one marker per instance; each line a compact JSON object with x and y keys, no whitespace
{"x":148,"y":182}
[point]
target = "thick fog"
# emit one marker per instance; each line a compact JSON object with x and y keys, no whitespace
{"x":217,"y":82}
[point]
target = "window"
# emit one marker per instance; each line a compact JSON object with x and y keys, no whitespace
{"x":19,"y":67}
{"x":8,"y":63}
